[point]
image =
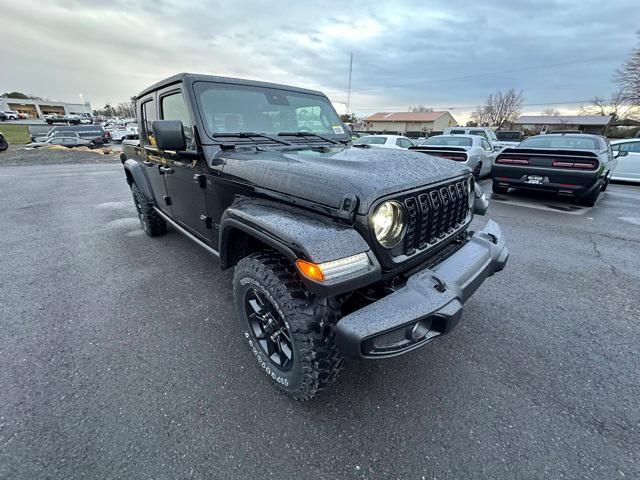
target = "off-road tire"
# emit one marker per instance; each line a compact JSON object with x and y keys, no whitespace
{"x":591,"y":199}
{"x":499,"y":189}
{"x":3,"y":144}
{"x":152,"y":223}
{"x":309,"y":320}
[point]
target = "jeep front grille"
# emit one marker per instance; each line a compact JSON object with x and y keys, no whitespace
{"x":434,"y":215}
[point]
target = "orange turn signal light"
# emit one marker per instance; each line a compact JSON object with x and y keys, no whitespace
{"x":310,"y":270}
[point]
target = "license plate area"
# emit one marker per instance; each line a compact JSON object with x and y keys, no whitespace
{"x":534,"y":180}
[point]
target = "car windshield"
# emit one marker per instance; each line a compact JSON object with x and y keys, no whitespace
{"x":449,"y":141}
{"x":229,"y":108}
{"x":371,"y":140}
{"x":570,"y":142}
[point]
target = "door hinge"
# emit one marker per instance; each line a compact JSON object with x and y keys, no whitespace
{"x":208,"y":221}
{"x":200,"y":180}
{"x":167,"y":200}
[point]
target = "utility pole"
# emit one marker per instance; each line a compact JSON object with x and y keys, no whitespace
{"x":349,"y":88}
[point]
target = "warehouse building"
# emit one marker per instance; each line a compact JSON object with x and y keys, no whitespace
{"x":412,"y":124}
{"x":38,"y":108}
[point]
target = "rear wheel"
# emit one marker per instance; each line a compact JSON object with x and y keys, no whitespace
{"x":152,"y":223}
{"x":496,"y":188}
{"x":591,"y":199}
{"x":477,"y":170}
{"x":289,"y":331}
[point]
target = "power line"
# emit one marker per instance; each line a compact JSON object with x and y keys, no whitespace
{"x":475,"y":106}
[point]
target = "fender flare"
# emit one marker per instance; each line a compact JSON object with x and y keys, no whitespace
{"x":135,"y":174}
{"x":296,"y":233}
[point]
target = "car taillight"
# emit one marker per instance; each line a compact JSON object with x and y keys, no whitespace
{"x":513,"y":161}
{"x":457,"y":158}
{"x":565,"y":164}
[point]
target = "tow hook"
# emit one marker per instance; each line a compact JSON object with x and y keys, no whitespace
{"x":440,"y":285}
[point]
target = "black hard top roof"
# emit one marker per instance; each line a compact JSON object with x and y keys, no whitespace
{"x":194,"y":77}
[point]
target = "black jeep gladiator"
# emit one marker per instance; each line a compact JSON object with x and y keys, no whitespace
{"x":339,"y":251}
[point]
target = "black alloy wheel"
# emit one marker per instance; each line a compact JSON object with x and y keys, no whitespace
{"x":269,"y":329}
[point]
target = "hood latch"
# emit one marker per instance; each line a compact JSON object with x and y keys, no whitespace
{"x":348,"y":207}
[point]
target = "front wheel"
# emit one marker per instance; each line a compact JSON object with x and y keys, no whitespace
{"x":152,"y":223}
{"x":289,"y":331}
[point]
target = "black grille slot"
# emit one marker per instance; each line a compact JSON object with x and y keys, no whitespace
{"x":434,"y":214}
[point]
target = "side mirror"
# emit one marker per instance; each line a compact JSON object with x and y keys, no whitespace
{"x":620,"y":153}
{"x":169,"y":135}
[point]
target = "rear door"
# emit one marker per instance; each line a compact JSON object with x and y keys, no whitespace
{"x":184,"y":174}
{"x":149,"y":153}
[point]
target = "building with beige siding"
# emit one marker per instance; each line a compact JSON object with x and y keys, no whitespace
{"x":412,"y":124}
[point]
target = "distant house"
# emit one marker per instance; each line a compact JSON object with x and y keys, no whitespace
{"x":546,"y":123}
{"x":412,"y":124}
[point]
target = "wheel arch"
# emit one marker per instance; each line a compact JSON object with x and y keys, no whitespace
{"x":135,"y":174}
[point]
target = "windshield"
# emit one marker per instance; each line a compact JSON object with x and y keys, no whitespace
{"x":228,"y":108}
{"x":371,"y":140}
{"x":571,"y":142}
{"x":449,"y":141}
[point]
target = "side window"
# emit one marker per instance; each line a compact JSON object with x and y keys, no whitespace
{"x":486,"y":145}
{"x":173,"y":107}
{"x":403,"y":142}
{"x":57,"y":141}
{"x":457,"y":132}
{"x":482,"y":133}
{"x":633,"y":147}
{"x":148,"y":115}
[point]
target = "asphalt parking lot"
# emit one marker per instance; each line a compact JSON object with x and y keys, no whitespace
{"x":122,"y":357}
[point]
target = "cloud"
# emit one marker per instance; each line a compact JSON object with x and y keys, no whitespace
{"x":440,"y":53}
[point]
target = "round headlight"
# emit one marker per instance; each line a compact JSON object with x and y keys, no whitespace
{"x":388,"y":223}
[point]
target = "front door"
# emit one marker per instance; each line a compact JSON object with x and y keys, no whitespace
{"x":183,"y":173}
{"x":150,"y":155}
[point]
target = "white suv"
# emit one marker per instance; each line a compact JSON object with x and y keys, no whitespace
{"x":485,"y":132}
{"x":11,"y":115}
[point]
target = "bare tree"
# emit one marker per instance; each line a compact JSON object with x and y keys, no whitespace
{"x":617,"y":107}
{"x":551,"y":112}
{"x":628,"y":77}
{"x":502,"y":108}
{"x":421,"y":108}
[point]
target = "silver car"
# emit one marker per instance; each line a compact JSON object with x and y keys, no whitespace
{"x":65,"y":141}
{"x":628,"y":168}
{"x":473,"y":150}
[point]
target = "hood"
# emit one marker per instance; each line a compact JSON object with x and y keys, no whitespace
{"x":326,"y":176}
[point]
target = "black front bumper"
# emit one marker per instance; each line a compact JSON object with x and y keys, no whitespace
{"x":427,"y":306}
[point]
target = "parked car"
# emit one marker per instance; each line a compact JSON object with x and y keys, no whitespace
{"x":66,"y":141}
{"x":473,"y":151}
{"x":118,"y":135}
{"x":579,"y":166}
{"x":485,"y":132}
{"x":628,"y":168}
{"x":95,"y":133}
{"x":334,"y":247}
{"x":510,"y":136}
{"x":12,"y":115}
{"x":385,"y":141}
{"x":3,"y":143}
{"x":69,"y":119}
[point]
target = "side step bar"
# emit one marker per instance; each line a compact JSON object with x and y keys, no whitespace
{"x":182,"y":230}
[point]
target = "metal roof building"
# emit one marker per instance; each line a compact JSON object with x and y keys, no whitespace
{"x":548,"y":123}
{"x":409,"y":122}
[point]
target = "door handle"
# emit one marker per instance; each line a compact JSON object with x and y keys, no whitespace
{"x":147,"y":163}
{"x":166,"y":170}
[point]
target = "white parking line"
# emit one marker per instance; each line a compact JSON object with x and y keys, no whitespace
{"x":541,"y":204}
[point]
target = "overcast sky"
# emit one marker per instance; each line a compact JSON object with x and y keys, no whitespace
{"x":443,"y":54}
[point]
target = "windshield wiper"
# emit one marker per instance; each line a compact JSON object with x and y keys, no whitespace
{"x":249,"y":135}
{"x":308,"y":134}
